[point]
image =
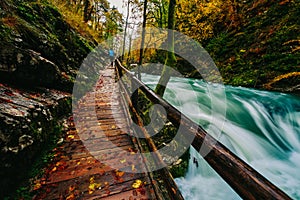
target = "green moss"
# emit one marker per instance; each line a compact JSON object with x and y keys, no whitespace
{"x":164,"y":136}
{"x":44,"y":157}
{"x":264,"y":35}
{"x":39,"y":26}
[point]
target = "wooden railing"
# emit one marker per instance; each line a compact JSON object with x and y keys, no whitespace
{"x":171,"y":190}
{"x":245,"y":180}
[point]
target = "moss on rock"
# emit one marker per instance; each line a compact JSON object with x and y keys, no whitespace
{"x":38,"y":46}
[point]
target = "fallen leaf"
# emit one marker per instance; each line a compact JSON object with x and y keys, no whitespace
{"x":93,"y":185}
{"x":70,"y":197}
{"x":123,"y":161}
{"x":37,"y":186}
{"x":137,"y":184}
{"x":92,"y":179}
{"x":71,"y":188}
{"x":120,"y":174}
{"x":54,"y":169}
{"x":71,"y":136}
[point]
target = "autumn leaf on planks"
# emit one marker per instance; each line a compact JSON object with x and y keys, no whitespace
{"x":37,"y":186}
{"x":137,"y":184}
{"x":71,"y":197}
{"x":93,"y":185}
{"x":71,"y":137}
{"x":120,"y":174}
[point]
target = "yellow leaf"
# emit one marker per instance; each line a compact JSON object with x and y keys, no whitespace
{"x":54,"y":169}
{"x":93,"y":186}
{"x":137,"y":184}
{"x":37,"y":186}
{"x":123,"y":161}
{"x":71,"y":137}
{"x":92,"y":179}
{"x":132,"y":167}
{"x":70,"y":197}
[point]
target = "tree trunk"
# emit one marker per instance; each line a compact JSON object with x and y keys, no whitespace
{"x":86,"y":10}
{"x":170,"y":58}
{"x":125,"y":31}
{"x":129,"y":51}
{"x":143,"y":39}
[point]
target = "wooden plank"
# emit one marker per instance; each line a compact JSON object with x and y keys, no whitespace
{"x":143,"y":193}
{"x":96,"y":153}
{"x":109,"y":183}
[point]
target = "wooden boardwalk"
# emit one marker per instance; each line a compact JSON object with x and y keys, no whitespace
{"x":82,"y":164}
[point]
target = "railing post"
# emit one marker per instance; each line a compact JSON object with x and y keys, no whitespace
{"x":135,"y":94}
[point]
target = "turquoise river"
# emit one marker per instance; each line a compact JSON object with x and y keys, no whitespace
{"x":261,"y":127}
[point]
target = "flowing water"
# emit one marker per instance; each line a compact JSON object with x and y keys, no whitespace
{"x":262,"y":128}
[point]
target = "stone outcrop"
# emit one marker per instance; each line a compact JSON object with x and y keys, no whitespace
{"x":41,"y":51}
{"x":28,"y":120}
{"x":38,"y":48}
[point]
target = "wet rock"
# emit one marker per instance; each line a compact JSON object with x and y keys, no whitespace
{"x":28,"y":119}
{"x":29,"y":67}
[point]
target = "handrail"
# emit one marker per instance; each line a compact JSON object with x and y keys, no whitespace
{"x":173,"y":191}
{"x":245,"y":180}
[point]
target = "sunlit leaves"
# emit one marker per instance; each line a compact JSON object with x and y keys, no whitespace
{"x":71,"y":137}
{"x":37,"y":186}
{"x":196,"y":17}
{"x":93,"y":185}
{"x":137,"y":184}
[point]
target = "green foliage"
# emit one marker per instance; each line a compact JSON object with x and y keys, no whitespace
{"x":259,"y":49}
{"x":180,"y":170}
{"x":38,"y":26}
{"x":252,"y":42}
{"x":164,"y":136}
